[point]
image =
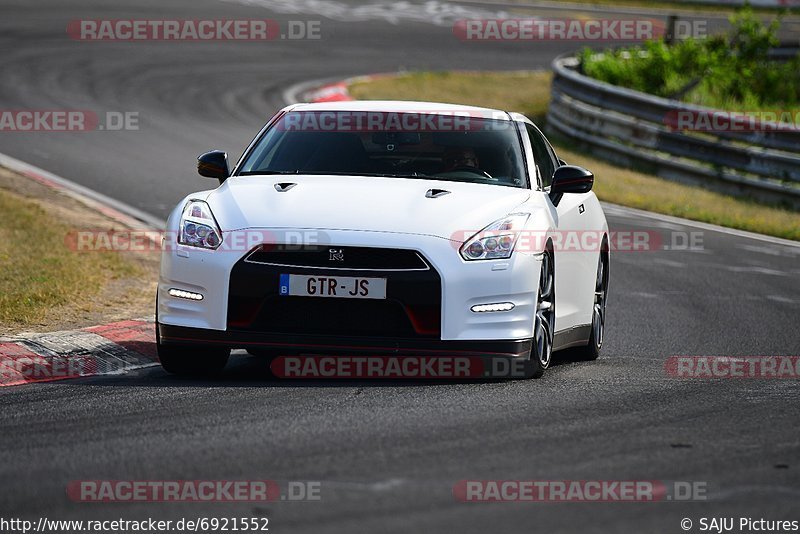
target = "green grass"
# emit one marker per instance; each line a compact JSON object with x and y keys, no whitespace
{"x":529,"y":93}
{"x":38,"y":271}
{"x":525,"y":92}
{"x":731,"y":71}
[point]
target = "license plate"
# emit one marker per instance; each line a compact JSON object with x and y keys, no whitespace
{"x":345,"y":287}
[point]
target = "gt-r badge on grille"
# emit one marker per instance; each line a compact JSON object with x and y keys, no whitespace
{"x":336,"y":254}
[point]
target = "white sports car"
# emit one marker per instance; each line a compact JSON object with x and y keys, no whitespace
{"x":386,"y":228}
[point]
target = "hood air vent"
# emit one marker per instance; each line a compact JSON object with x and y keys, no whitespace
{"x":436,"y":193}
{"x":282,"y":187}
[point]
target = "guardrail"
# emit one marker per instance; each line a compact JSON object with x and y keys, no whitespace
{"x":640,"y":130}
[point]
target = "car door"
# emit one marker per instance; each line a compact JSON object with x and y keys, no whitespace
{"x":574,"y":285}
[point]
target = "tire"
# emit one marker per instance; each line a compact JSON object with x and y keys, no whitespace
{"x":190,"y":360}
{"x":544,"y":323}
{"x":271,"y":354}
{"x":592,"y":349}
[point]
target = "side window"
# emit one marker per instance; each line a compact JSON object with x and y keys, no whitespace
{"x":542,"y":155}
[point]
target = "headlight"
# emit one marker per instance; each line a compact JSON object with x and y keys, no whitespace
{"x":198,"y":228}
{"x":496,"y":241}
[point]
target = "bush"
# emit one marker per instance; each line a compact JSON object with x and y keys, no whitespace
{"x":730,"y":71}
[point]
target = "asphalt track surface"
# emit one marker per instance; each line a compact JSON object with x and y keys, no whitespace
{"x":387,"y":454}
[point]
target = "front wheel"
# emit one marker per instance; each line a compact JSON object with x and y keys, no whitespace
{"x":191,"y":360}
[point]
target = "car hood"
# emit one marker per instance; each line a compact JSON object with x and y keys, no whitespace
{"x":361,"y":203}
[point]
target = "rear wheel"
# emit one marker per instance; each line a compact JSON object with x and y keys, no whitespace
{"x":592,"y":350}
{"x":544,"y":325}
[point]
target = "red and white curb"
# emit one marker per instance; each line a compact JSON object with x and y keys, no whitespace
{"x":110,"y":349}
{"x":335,"y":92}
{"x":317,"y":91}
{"x":114,"y":348}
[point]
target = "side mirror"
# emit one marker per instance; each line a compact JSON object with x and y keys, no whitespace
{"x":214,"y":164}
{"x":571,"y":179}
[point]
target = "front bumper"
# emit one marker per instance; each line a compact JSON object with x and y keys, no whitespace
{"x":462,"y":285}
{"x":351,"y":346}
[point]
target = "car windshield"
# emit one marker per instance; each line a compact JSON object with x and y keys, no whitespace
{"x":464,"y":147}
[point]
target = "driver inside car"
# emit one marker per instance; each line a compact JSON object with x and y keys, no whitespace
{"x":459,"y":157}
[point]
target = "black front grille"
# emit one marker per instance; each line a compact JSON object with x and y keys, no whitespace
{"x":331,"y":316}
{"x":336,"y":257}
{"x":412,"y":308}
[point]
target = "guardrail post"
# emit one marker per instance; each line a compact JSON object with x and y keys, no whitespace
{"x":669,"y":35}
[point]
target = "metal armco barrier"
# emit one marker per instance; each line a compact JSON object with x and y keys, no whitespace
{"x":640,"y":130}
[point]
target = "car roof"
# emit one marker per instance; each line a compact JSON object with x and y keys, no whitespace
{"x":400,"y":106}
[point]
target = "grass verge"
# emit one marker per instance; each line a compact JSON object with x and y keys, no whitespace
{"x":525,"y":92}
{"x":529,"y":93}
{"x":44,"y":284}
{"x":662,"y":4}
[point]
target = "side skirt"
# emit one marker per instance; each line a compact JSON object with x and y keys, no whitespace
{"x":572,"y":337}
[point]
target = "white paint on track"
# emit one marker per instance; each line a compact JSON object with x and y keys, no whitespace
{"x":127,"y":214}
{"x":622,"y":211}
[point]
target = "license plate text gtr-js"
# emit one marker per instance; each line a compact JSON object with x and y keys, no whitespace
{"x":332,"y":286}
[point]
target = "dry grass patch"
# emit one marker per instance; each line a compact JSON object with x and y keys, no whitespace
{"x":44,"y":283}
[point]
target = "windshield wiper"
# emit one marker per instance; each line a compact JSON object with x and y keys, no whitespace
{"x":339,"y":173}
{"x":266,"y":171}
{"x":409,"y":175}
